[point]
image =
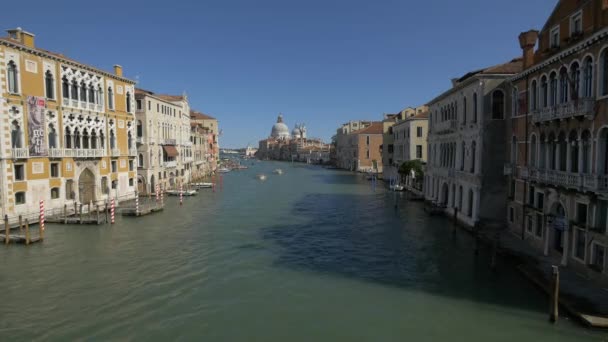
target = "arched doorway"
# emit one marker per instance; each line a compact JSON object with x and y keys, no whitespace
{"x":560,"y":225}
{"x":141,"y":184}
{"x":152,"y":184}
{"x":86,"y":186}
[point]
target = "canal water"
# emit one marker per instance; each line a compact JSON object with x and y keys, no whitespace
{"x":310,"y":255}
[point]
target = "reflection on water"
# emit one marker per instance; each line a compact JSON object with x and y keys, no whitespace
{"x":312,"y":254}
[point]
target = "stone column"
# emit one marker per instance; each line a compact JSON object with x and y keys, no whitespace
{"x":580,"y":156}
{"x":568,"y":156}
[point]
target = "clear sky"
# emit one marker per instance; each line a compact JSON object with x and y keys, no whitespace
{"x":320,"y":62}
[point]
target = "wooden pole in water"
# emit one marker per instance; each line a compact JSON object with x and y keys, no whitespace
{"x":20,"y":223}
{"x":106,"y":211}
{"x":475,"y":228}
{"x":65,"y":214}
{"x":80,"y":213}
{"x":554,"y":307}
{"x":27,"y":232}
{"x":75,"y":208}
{"x":97,"y":213}
{"x":6,"y":230}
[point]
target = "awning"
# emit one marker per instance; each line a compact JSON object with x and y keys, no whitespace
{"x":170,"y":150}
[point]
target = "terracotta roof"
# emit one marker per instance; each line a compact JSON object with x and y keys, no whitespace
{"x":61,"y":56}
{"x":200,"y":116}
{"x":170,"y":97}
{"x":512,"y":67}
{"x":423,"y":115}
{"x":375,"y":128}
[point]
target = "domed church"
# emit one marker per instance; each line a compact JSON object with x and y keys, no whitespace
{"x":280,"y":130}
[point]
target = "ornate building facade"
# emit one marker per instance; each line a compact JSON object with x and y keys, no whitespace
{"x":68,"y":129}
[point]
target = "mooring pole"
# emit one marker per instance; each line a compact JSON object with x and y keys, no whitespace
{"x":80,"y":213}
{"x":554,"y":306}
{"x":6,"y":230}
{"x":27,"y":232}
{"x":20,"y":223}
{"x":65,"y":214}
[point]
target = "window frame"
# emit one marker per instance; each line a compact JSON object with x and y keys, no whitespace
{"x":58,"y":193}
{"x":552,"y":33}
{"x":577,"y":15}
{"x":17,"y":202}
{"x":51,"y":170}
{"x":22,"y":165}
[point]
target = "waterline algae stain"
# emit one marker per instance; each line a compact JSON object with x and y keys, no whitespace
{"x":311,"y":254}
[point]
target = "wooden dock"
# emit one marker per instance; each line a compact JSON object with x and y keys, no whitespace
{"x":25,"y":237}
{"x":142,"y":208}
{"x":81,"y":215}
{"x":141,"y":211}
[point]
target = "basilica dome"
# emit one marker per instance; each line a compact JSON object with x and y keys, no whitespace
{"x":280,"y":129}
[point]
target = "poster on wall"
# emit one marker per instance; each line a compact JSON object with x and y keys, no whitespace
{"x":35,"y":126}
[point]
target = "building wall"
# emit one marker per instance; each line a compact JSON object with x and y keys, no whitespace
{"x":368,"y":148}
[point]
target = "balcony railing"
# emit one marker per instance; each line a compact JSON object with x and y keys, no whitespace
{"x":66,"y":102}
{"x":446,"y":126}
{"x":83,"y":104}
{"x":77,"y":153}
{"x":170,"y":164}
{"x":20,"y":152}
{"x":115,"y":152}
{"x":169,"y":141}
{"x":55,"y":152}
{"x":571,"y":180}
{"x":75,"y":103}
{"x":581,"y":107}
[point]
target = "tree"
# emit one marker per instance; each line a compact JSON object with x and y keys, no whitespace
{"x":406,"y":168}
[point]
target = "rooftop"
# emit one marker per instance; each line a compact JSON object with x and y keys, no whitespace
{"x":200,"y":116}
{"x":376,"y":127}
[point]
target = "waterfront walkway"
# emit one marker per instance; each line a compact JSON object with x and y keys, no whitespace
{"x":585,"y":296}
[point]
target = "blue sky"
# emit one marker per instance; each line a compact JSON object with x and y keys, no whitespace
{"x":318,"y":62}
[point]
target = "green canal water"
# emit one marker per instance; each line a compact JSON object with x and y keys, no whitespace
{"x":310,"y":255}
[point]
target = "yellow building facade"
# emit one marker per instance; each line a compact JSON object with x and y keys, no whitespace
{"x":67,"y":130}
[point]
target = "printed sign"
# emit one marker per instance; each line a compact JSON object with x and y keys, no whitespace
{"x":35,"y":126}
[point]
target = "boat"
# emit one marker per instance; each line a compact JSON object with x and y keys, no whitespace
{"x":201,"y":185}
{"x":261,"y":177}
{"x":278,"y":171}
{"x":396,"y":187}
{"x":223,"y":170}
{"x":184,"y":192}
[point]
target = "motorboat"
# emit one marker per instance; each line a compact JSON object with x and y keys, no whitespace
{"x":223,"y":170}
{"x":278,"y":171}
{"x":261,"y":177}
{"x":201,"y":185}
{"x":183,"y":192}
{"x":396,"y":187}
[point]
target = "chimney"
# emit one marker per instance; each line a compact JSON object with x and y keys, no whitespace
{"x":454,"y":81}
{"x":117,"y":70}
{"x":527,"y":41}
{"x":22,"y":37}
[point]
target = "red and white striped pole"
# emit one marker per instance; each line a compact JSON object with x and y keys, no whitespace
{"x":162,"y":197}
{"x":42,"y":214}
{"x":181,"y":194}
{"x":136,"y":204}
{"x":112,"y":212}
{"x":157,"y":192}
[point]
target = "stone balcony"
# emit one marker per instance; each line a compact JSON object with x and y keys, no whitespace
{"x":20,"y":152}
{"x":570,"y":180}
{"x":580,"y":107}
{"x":115,"y":152}
{"x":447,"y":126}
{"x":170,"y":164}
{"x":77,"y":152}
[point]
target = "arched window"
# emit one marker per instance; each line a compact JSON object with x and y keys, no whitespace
{"x":542,"y":152}
{"x":533,"y":96}
{"x":575,"y":80}
{"x":99,"y":95}
{"x":52,"y":136}
{"x":140,"y":129}
{"x":110,"y":98}
{"x":513,"y":150}
{"x":553,"y":89}
{"x":551,"y":144}
{"x":141,"y":160}
{"x":13,"y":80}
{"x":462,"y":155}
{"x":83,"y":92}
{"x":85,"y":139}
{"x":602,"y":144}
{"x":68,"y":138}
{"x":473,"y":155}
{"x":65,"y":87}
{"x":533,"y":151}
{"x":49,"y":85}
{"x":93,"y":139}
{"x":498,"y":105}
{"x":128,"y":102}
{"x":74,"y":90}
{"x":475,"y":107}
{"x":563,"y":151}
{"x":464,"y":110}
{"x":16,"y":141}
{"x":460,"y":198}
{"x":544,"y":92}
{"x":470,"y":213}
{"x":573,"y":146}
{"x":102,"y":141}
{"x":563,"y":85}
{"x":588,"y":78}
{"x":112,"y":139}
{"x":91,"y":94}
{"x":604,"y":68}
{"x":77,"y":138}
{"x":586,"y":160}
{"x":129,"y":140}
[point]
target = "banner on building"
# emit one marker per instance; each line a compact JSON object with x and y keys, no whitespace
{"x":35,"y":126}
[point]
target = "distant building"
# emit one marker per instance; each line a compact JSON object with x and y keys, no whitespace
{"x":345,"y":151}
{"x":359,"y":149}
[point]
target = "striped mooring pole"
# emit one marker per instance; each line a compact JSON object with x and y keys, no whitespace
{"x":42,"y":214}
{"x":181,"y":194}
{"x":157,"y":192}
{"x":136,"y":203}
{"x":162,"y":197}
{"x":112,"y":211}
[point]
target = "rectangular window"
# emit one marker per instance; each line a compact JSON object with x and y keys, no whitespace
{"x":530,"y":224}
{"x":512,"y":188}
{"x":602,"y":207}
{"x":139,"y":105}
{"x":367,"y":154}
{"x":539,"y":225}
{"x":367,"y":140}
{"x":576,"y":23}
{"x":114,"y":166}
{"x":131,"y":165}
{"x":19,"y":172}
{"x":511,"y":214}
{"x":54,"y":170}
{"x":581,"y":214}
{"x":114,"y":184}
{"x":531,"y":196}
{"x":149,"y":105}
{"x":554,"y":37}
{"x":158,"y":107}
{"x":54,"y":193}
{"x":418,"y":151}
{"x":579,"y":249}
{"x":541,"y":201}
{"x":419,"y":132}
{"x":20,"y":197}
{"x":130,"y":181}
{"x":104,"y":185}
{"x":597,"y":257}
